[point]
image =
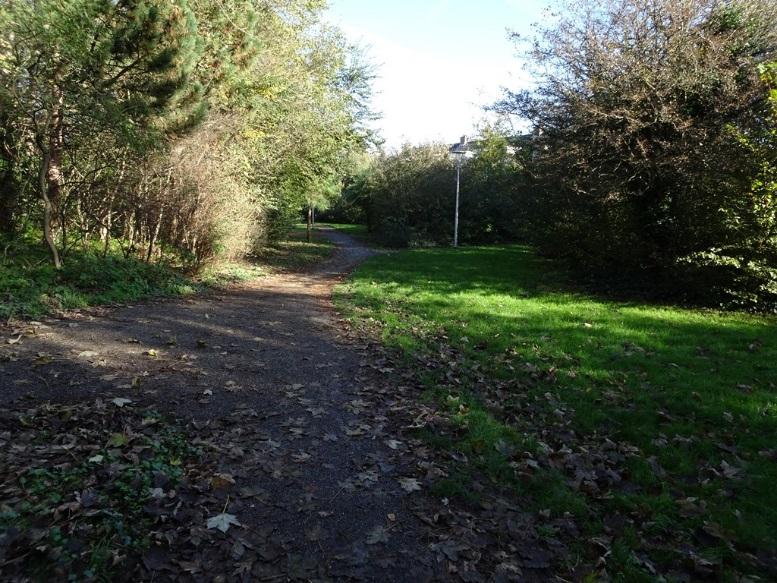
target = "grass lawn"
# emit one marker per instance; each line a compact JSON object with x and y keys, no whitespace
{"x":358,"y":232}
{"x":654,"y":427}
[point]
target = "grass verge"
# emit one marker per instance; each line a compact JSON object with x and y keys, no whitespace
{"x":653,"y":428}
{"x":358,"y":232}
{"x":30,"y":287}
{"x":84,"y":488}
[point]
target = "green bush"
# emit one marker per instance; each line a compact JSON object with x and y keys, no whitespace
{"x":409,"y":196}
{"x":655,"y":146}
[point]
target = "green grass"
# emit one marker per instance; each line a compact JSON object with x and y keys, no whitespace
{"x":30,"y":287}
{"x":295,"y":253}
{"x":525,"y":360}
{"x":222,"y":274}
{"x":358,"y":232}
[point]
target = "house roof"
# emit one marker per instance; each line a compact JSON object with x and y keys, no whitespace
{"x":462,"y":146}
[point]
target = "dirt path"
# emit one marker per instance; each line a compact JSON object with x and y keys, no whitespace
{"x":268,"y":360}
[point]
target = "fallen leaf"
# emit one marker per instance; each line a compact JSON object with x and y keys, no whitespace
{"x":409,"y":484}
{"x":221,"y":480}
{"x":223,"y":521}
{"x":118,"y":440}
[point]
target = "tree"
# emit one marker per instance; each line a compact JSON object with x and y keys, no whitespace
{"x":82,"y":67}
{"x":192,"y":130}
{"x":642,"y":116}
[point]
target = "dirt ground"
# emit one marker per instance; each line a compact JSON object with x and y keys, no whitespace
{"x":334,"y":487}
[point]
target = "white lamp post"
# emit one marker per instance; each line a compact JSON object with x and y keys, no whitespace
{"x":461,"y":151}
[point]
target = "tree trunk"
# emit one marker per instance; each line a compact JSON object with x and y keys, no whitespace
{"x":153,"y":235}
{"x":48,"y":234}
{"x":105,"y":231}
{"x":9,"y":188}
{"x":56,"y":138}
{"x":8,"y":198}
{"x":50,"y":175}
{"x":310,"y":224}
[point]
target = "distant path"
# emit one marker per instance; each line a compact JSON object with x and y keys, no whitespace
{"x":319,"y":446}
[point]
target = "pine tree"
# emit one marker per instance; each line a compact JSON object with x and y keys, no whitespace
{"x":84,"y":66}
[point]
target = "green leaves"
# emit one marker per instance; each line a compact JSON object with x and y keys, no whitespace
{"x":653,"y":142}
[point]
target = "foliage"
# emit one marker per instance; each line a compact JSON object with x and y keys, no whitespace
{"x":294,"y":253}
{"x":30,"y":286}
{"x":408,"y":197}
{"x":653,"y":146}
{"x":653,"y":426}
{"x":84,"y":514}
{"x":195,"y":127}
{"x":356,"y":231}
{"x":494,"y":187}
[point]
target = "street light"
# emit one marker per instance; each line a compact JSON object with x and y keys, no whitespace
{"x":461,"y":151}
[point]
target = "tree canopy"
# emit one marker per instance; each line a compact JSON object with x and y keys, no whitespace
{"x":198,"y":127}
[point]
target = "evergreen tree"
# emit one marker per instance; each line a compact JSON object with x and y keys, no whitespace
{"x":71,"y":69}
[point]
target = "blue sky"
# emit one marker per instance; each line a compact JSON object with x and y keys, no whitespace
{"x":439,"y":61}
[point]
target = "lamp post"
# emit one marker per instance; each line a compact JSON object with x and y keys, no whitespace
{"x":461,"y":151}
{"x":459,"y":156}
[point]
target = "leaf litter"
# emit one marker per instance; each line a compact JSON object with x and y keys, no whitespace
{"x":189,"y":521}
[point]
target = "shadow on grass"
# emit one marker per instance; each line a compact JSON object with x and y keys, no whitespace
{"x":692,"y":389}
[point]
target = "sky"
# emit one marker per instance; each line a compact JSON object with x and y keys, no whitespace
{"x":438,"y":61}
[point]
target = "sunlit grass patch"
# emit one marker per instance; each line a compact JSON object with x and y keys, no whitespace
{"x":232,"y":272}
{"x":685,"y":397}
{"x":359,"y":232}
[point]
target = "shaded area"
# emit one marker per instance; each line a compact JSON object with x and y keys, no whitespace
{"x":93,"y":274}
{"x":303,"y":415}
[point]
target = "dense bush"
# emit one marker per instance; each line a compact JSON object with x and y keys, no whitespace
{"x":655,"y":146}
{"x":409,"y":197}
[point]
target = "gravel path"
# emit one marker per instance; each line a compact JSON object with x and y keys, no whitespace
{"x":321,"y":466}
